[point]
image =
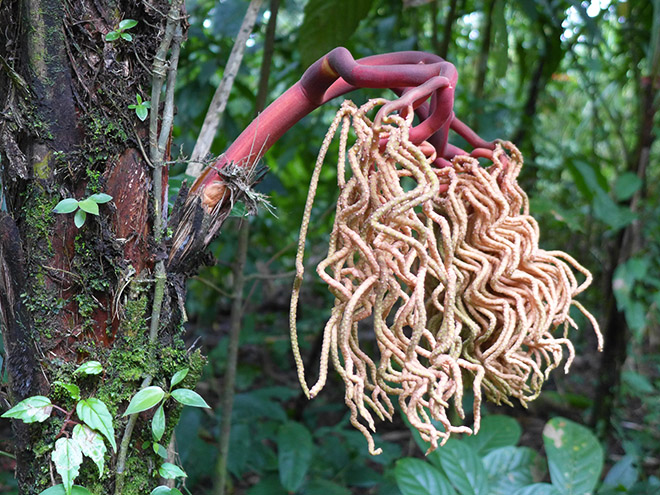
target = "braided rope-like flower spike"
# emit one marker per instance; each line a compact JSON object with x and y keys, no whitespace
{"x":445,"y":262}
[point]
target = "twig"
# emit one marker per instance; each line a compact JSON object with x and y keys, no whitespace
{"x":219,"y":102}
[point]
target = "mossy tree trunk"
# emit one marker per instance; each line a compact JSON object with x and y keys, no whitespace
{"x":68,"y":294}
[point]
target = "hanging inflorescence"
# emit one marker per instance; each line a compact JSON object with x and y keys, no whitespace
{"x":444,"y":265}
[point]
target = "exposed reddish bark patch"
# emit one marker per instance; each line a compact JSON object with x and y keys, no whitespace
{"x":126,"y":184}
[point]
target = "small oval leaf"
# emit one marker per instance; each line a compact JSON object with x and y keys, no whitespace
{"x":158,"y":424}
{"x":112,"y":36}
{"x":89,"y":206}
{"x":170,"y":471}
{"x":90,"y":368}
{"x":67,"y":205}
{"x":189,"y":398}
{"x":178,"y":377}
{"x":127,"y":24}
{"x":141,"y":111}
{"x":100,"y":198}
{"x":59,"y":490}
{"x":161,"y":490}
{"x":126,"y":36}
{"x":145,"y":399}
{"x":74,"y":390}
{"x":80,"y":218}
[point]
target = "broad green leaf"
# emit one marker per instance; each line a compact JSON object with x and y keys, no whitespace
{"x":160,"y":490}
{"x":327,"y":25}
{"x":73,"y":389}
{"x":189,"y":398}
{"x":495,"y":431}
{"x":178,"y":377}
{"x":159,"y":449}
{"x":90,"y":368}
{"x":89,"y":206}
{"x":100,"y":198}
{"x":626,"y":185}
{"x":508,"y":469}
{"x":112,"y":36}
{"x":35,"y":409}
{"x":145,"y":399}
{"x":417,"y":477}
{"x":294,"y":449}
{"x":67,"y":458}
{"x":462,"y":466}
{"x":141,"y":112}
{"x":67,"y":205}
{"x":268,"y":485}
{"x":92,"y":445}
{"x":127,"y":36}
{"x":325,"y":487}
{"x":610,"y":213}
{"x":94,"y":413}
{"x":79,"y":218}
{"x":538,"y":489}
{"x":623,"y":474}
{"x":575,"y":457}
{"x":171,"y":471}
{"x":127,"y":24}
{"x":59,"y":490}
{"x":158,"y":424}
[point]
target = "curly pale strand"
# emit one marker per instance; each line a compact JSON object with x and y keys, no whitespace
{"x":455,"y":282}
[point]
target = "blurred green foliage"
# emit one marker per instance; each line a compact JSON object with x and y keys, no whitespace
{"x":568,"y":82}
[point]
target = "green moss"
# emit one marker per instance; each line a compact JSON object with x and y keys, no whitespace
{"x":42,"y":167}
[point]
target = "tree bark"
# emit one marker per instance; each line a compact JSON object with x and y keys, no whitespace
{"x":68,"y":294}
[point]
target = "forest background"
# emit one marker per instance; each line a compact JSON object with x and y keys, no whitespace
{"x":573,"y":84}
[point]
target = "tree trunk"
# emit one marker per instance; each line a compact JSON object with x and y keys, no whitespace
{"x":68,"y":294}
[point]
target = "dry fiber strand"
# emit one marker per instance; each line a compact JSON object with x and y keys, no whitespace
{"x":444,"y":265}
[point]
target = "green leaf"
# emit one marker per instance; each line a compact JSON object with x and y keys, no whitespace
{"x":159,"y":449}
{"x":67,"y":458}
{"x":178,"y":377}
{"x":112,"y":36}
{"x":59,"y":490}
{"x":160,"y":490}
{"x":327,"y":25}
{"x":417,"y":477}
{"x":67,"y":205}
{"x":126,"y":36}
{"x":189,"y":398}
{"x":325,"y":487}
{"x":538,"y":489}
{"x":158,"y":423}
{"x":175,"y":491}
{"x":127,"y":24}
{"x":92,"y":445}
{"x":90,"y":368}
{"x":141,"y":111}
{"x":94,"y":413}
{"x":462,"y":466}
{"x":171,"y":471}
{"x":138,"y":98}
{"x":145,"y":399}
{"x":294,"y":452}
{"x":575,"y":457}
{"x":132,"y":106}
{"x":508,"y":469}
{"x":79,"y":218}
{"x":35,"y":409}
{"x":74,"y":390}
{"x":89,"y":206}
{"x":496,"y":431}
{"x":100,"y":198}
{"x":623,"y":474}
{"x":626,"y":185}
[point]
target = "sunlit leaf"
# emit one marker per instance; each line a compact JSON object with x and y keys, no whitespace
{"x":171,"y":471}
{"x":112,"y":36}
{"x":94,"y":413}
{"x":90,"y":368}
{"x":67,"y":205}
{"x":178,"y":377}
{"x":89,"y":206}
{"x":34,"y":409}
{"x":158,"y":423}
{"x":79,"y":218}
{"x":127,"y":24}
{"x":92,"y":445}
{"x":145,"y":399}
{"x":575,"y":457}
{"x":67,"y":457}
{"x":189,"y":398}
{"x":100,"y":198}
{"x":73,"y":389}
